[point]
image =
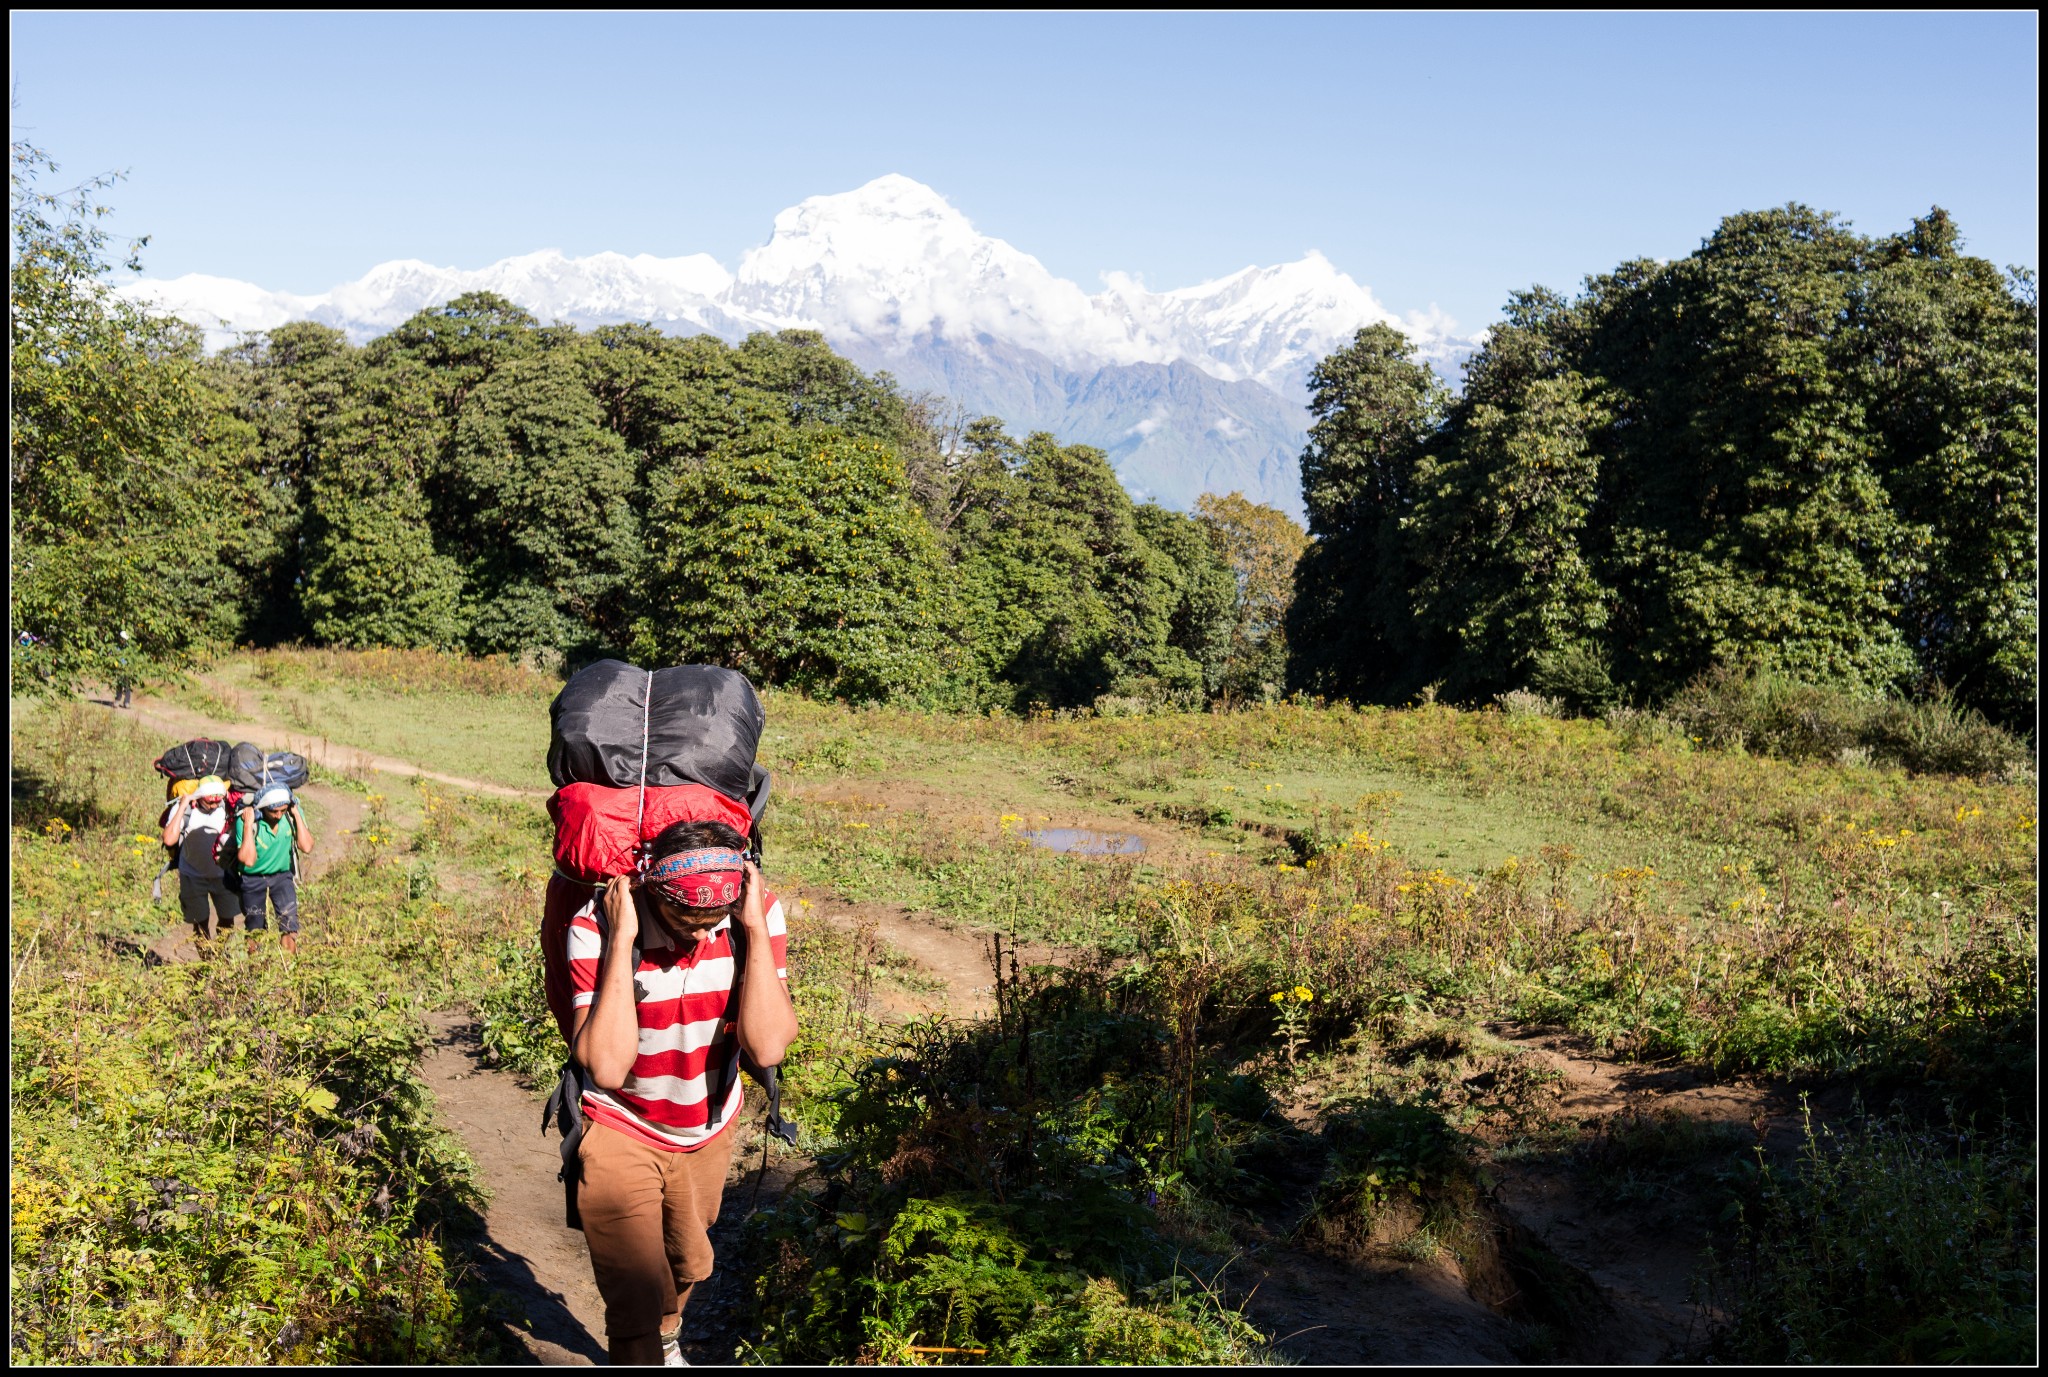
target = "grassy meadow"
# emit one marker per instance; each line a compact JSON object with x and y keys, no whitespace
{"x":1291,"y":1020}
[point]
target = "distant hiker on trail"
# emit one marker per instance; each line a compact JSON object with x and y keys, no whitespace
{"x":124,"y":686}
{"x":194,"y":826}
{"x":659,"y":1042}
{"x":269,"y":835}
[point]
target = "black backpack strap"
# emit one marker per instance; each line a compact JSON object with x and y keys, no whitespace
{"x":565,"y":1109}
{"x":771,"y":1082}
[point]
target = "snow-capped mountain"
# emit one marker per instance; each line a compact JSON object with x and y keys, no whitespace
{"x":1195,"y":389}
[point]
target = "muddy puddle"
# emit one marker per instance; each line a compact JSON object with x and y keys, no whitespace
{"x":1084,"y":842}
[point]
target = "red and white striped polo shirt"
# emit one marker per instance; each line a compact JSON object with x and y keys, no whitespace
{"x":684,"y":1000}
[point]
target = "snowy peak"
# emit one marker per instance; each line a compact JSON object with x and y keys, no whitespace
{"x":887,"y":266}
{"x":1192,"y":389}
{"x":892,"y":262}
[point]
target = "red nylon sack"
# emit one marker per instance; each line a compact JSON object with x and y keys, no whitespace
{"x":595,"y":838}
{"x":595,"y":833}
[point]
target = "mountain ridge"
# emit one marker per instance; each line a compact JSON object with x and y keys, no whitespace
{"x":1190,"y":389}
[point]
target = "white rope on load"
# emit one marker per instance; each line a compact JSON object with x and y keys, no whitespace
{"x":640,"y":808}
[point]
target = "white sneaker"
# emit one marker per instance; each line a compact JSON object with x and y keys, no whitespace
{"x":672,"y":1350}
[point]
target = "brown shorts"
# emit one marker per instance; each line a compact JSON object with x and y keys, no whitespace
{"x":647,"y":1216}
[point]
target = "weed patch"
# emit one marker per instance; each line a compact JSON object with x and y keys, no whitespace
{"x":1890,"y":1242}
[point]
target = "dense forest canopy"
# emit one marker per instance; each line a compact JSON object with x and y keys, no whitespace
{"x":1798,"y":448}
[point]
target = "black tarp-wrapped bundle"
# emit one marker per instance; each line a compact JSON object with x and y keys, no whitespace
{"x":251,"y":770}
{"x":195,"y":760}
{"x":702,"y":725}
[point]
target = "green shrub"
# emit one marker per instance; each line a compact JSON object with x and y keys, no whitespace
{"x":232,"y":1161}
{"x":517,"y":1029}
{"x":1396,"y":1170}
{"x":1769,"y":714}
{"x":1579,"y":675}
{"x":238,"y":1166}
{"x":1941,"y":736}
{"x":994,"y":1188}
{"x":1889,"y":1243}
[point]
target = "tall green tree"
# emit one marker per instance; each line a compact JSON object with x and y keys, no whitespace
{"x":1200,"y":604}
{"x":819,"y":388}
{"x":535,"y":499}
{"x":1260,"y":546}
{"x":460,"y":344}
{"x":1064,"y":596}
{"x":1501,"y":525}
{"x":1945,"y":356}
{"x":1748,"y":522}
{"x":123,"y":472}
{"x":796,"y":557}
{"x":1350,"y":628}
{"x":285,"y":385}
{"x":374,"y":576}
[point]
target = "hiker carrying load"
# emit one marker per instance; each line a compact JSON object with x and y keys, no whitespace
{"x":666,"y":970}
{"x":269,"y":835}
{"x":241,"y":772}
{"x":197,"y":826}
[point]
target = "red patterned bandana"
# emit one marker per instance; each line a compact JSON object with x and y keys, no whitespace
{"x":699,"y":879}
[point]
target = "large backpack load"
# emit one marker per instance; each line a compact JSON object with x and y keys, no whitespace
{"x":632,"y":752}
{"x":224,"y":852}
{"x":253,"y":770}
{"x":598,"y":831}
{"x":195,"y":760}
{"x":622,"y":726}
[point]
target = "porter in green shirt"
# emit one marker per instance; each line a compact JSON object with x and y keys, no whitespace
{"x":265,"y":837}
{"x":273,"y":844}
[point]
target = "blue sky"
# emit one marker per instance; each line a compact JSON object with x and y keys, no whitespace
{"x":1437,"y":159}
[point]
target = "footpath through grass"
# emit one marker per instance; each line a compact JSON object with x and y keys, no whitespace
{"x":1335,"y":906}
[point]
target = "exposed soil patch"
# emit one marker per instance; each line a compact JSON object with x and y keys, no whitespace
{"x":959,"y":959}
{"x":1327,"y":1313}
{"x":1594,"y":1087}
{"x":1639,"y":1237}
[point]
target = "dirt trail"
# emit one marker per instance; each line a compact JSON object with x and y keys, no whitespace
{"x":540,"y":1266}
{"x":185,"y":723}
{"x":1324,"y":1313}
{"x":957,"y":960}
{"x":1643,"y":1249}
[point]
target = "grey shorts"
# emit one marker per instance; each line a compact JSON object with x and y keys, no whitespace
{"x":283,"y":890}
